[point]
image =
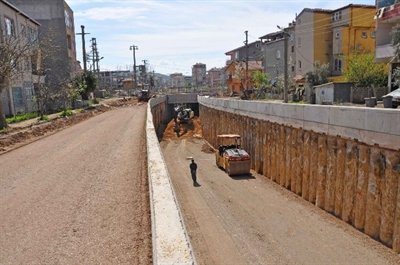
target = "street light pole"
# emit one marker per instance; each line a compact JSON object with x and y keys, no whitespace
{"x":134,"y":48}
{"x":247,"y":59}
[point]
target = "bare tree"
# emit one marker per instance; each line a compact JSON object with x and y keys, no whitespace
{"x":15,"y":49}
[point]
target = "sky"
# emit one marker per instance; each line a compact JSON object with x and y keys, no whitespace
{"x":173,"y":35}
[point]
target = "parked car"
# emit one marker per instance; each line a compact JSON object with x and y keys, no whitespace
{"x":395,"y":94}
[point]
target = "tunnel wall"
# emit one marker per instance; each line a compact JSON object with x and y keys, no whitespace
{"x":170,"y":241}
{"x":335,"y":158}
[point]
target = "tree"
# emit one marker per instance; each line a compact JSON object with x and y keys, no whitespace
{"x":396,"y":42}
{"x":84,"y":84}
{"x":364,"y":72}
{"x":319,"y":76}
{"x":260,"y":81}
{"x":15,"y":50}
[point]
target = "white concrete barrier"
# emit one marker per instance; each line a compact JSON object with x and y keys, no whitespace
{"x":170,"y":241}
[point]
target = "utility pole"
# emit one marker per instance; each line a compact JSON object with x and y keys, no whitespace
{"x":83,"y":47}
{"x":247,"y":58}
{"x":94,"y":51}
{"x":134,"y":48}
{"x":144,"y":71}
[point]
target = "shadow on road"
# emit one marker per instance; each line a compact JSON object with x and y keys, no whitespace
{"x":196,"y":184}
{"x":243,"y":177}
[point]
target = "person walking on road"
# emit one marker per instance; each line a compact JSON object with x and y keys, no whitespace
{"x":193,"y":168}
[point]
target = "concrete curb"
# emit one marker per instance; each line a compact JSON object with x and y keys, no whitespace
{"x":170,"y":241}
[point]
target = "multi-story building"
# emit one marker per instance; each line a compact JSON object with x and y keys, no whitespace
{"x":252,"y":52}
{"x":353,"y":29}
{"x":236,"y":72}
{"x":387,"y":21}
{"x":199,"y":72}
{"x":177,"y":80}
{"x":57,"y":36}
{"x":274,"y":53}
{"x":21,"y":31}
{"x":216,"y":77}
{"x":112,"y":80}
{"x":313,"y":33}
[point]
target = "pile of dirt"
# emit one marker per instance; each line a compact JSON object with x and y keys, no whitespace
{"x":14,"y":137}
{"x":193,"y":129}
{"x":122,"y":102}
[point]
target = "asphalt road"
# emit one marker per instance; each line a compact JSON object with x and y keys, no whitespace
{"x":252,"y":220}
{"x":79,"y":196}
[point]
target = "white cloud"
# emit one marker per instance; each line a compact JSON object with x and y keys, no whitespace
{"x":174,"y":35}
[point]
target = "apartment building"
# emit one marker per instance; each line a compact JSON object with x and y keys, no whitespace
{"x":216,"y":77}
{"x":253,"y":52}
{"x":313,"y":39}
{"x":274,"y":53}
{"x":177,"y":80}
{"x":20,"y":30}
{"x":199,"y":72}
{"x":353,"y":29}
{"x":387,"y":21}
{"x":57,"y":33}
{"x":112,"y":80}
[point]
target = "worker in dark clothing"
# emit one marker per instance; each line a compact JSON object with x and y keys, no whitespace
{"x":193,"y":168}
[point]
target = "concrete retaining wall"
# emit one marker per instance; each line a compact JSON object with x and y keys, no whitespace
{"x":344,"y":160}
{"x":170,"y":242}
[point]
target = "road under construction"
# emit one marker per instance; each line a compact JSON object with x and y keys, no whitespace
{"x":317,"y":187}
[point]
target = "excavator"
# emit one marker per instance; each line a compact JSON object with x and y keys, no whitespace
{"x":183,"y":118}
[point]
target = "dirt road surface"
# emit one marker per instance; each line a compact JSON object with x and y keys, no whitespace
{"x":79,"y":196}
{"x":252,"y":220}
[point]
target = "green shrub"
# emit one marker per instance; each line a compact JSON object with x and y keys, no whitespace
{"x":44,"y":118}
{"x":22,"y":117}
{"x":66,"y":113}
{"x":94,"y":101}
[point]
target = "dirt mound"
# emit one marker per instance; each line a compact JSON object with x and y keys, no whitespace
{"x":194,"y":129}
{"x":122,"y":102}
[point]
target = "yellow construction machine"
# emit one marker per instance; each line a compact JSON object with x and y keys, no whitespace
{"x":230,"y":156}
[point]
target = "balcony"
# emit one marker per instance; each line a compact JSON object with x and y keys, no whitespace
{"x":389,"y":13}
{"x":383,"y":53}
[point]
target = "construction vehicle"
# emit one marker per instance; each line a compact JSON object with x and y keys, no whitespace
{"x":183,"y":119}
{"x":183,"y":115}
{"x":144,"y":95}
{"x":230,"y":156}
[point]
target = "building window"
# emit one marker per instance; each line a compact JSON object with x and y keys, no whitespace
{"x":364,"y":35}
{"x":292,"y":48}
{"x":337,"y":35}
{"x":299,"y":64}
{"x":338,"y":65}
{"x":69,"y":40}
{"x":9,"y":26}
{"x":337,"y":16}
{"x":278,"y":54}
{"x":292,"y":68}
